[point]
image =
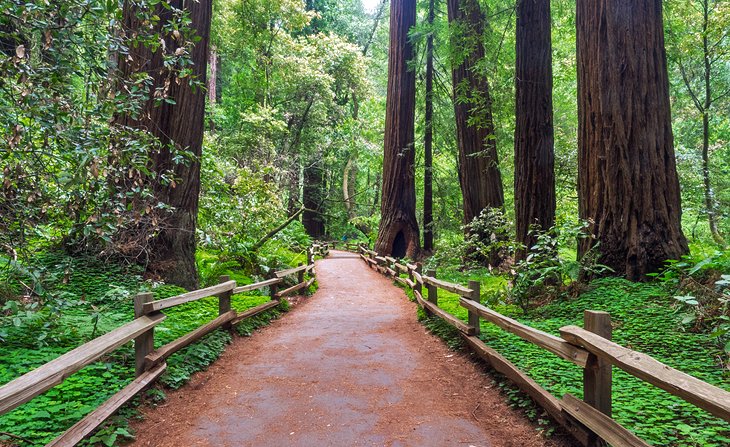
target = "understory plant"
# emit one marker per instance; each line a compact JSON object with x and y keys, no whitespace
{"x":700,"y":286}
{"x":489,"y":239}
{"x":544,"y":272}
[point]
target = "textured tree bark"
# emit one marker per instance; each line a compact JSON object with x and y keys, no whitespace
{"x":428,"y":139}
{"x":398,"y":232}
{"x":627,"y":178}
{"x":534,"y":152}
{"x":180,"y":124}
{"x":481,"y":181}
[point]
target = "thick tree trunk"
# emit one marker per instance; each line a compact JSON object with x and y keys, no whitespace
{"x":534,"y":153}
{"x":313,"y":196}
{"x":481,"y":181}
{"x":180,"y":124}
{"x":627,"y":178}
{"x":398,"y":233}
{"x":428,"y":139}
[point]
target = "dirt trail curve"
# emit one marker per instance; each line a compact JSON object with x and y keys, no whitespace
{"x":350,"y":366}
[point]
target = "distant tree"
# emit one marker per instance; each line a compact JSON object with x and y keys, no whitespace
{"x":627,"y":180}
{"x":313,"y":198}
{"x":534,"y":152}
{"x":398,"y":233}
{"x":175,"y":115}
{"x":349,"y":174}
{"x":700,"y":43}
{"x":428,"y":138}
{"x":479,"y":176}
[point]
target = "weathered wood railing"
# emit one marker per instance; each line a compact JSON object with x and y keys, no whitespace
{"x":343,"y":245}
{"x":588,"y":420}
{"x":149,"y":362}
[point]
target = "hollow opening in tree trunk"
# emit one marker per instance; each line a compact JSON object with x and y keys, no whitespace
{"x":399,"y":245}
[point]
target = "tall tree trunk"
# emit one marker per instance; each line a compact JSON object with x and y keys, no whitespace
{"x":296,"y":125}
{"x":212,"y":83}
{"x":481,"y":181}
{"x":627,"y":177}
{"x":348,"y":184}
{"x":376,"y":199}
{"x":376,"y":22}
{"x":313,"y":196}
{"x":348,"y":187}
{"x":294,"y":200}
{"x":534,"y":153}
{"x":398,"y":233}
{"x":213,"y":79}
{"x":710,"y":203}
{"x":428,"y":138}
{"x":180,"y":124}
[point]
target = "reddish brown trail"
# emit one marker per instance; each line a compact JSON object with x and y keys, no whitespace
{"x":349,"y":366}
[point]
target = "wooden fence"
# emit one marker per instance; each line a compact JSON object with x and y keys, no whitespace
{"x":149,"y":362}
{"x":588,"y":420}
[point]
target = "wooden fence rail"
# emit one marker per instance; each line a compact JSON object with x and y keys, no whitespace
{"x":588,"y":420}
{"x":149,"y":362}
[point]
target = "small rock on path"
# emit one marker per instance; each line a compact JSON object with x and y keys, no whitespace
{"x":349,"y":366}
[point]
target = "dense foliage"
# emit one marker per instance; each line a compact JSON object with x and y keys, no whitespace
{"x":294,"y":123}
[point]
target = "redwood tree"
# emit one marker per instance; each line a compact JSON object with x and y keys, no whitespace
{"x":627,"y":179}
{"x":479,"y":176}
{"x":177,"y":123}
{"x":398,"y":233}
{"x":534,"y":153}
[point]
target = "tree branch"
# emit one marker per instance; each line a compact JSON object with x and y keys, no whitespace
{"x":273,"y":232}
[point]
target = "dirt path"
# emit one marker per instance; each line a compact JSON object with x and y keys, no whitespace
{"x":351,"y":366}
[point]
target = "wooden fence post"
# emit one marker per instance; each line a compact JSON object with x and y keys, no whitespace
{"x":433,"y":291}
{"x":274,"y":288}
{"x":310,"y":255}
{"x":417,"y":286}
{"x":597,"y":375}
{"x":145,"y":342}
{"x":224,"y":299}
{"x":300,"y":274}
{"x":476,"y":295}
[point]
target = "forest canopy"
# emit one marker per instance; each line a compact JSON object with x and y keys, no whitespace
{"x":295,"y":115}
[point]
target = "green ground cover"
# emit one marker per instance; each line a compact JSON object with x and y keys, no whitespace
{"x":645,"y":319}
{"x":89,"y":298}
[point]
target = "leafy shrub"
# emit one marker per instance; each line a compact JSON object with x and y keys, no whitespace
{"x":544,"y":273}
{"x":210,"y":270}
{"x":701,"y":289}
{"x":489,"y":238}
{"x":294,"y":236}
